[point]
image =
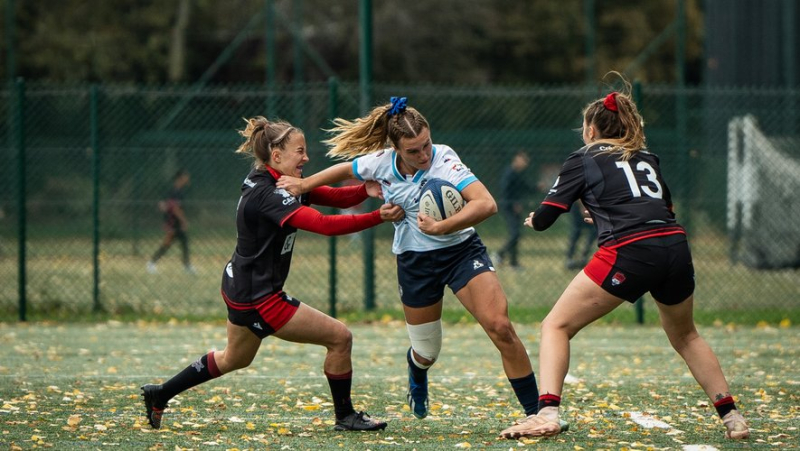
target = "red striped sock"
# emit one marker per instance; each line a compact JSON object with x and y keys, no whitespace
{"x":549,"y":400}
{"x":724,"y":406}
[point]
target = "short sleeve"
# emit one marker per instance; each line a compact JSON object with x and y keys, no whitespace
{"x":366,"y":167}
{"x":451,"y":168}
{"x":277,"y":204}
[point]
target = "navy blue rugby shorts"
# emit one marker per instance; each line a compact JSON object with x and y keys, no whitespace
{"x":660,"y":265}
{"x":422,"y":276}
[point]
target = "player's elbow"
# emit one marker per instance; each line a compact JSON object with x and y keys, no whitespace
{"x":491,"y":207}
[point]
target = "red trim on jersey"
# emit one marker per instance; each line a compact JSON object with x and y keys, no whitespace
{"x":272,"y":308}
{"x":556,"y":204}
{"x":340,"y":377}
{"x":274,"y":172}
{"x":600,"y":265}
{"x":343,"y":197}
{"x":213,"y":370}
{"x":306,"y":218}
{"x":638,"y":236}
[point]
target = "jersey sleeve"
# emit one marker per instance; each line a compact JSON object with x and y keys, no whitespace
{"x":306,"y":218}
{"x":449,"y":167}
{"x":366,"y":167}
{"x":277,"y":204}
{"x":342,"y":197}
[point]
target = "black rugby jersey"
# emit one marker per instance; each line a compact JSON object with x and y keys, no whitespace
{"x":264,"y":244}
{"x":628,"y":200}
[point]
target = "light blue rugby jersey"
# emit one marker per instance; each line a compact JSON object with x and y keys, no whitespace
{"x":405,"y":191}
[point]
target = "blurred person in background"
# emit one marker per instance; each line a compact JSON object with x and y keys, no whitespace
{"x":514,"y":188}
{"x":577,"y":256}
{"x":642,"y":249}
{"x":267,"y":221}
{"x":175,"y":223}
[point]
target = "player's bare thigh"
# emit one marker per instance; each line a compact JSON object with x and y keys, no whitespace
{"x":581,"y":303}
{"x":483,"y":297}
{"x":309,"y":325}
{"x":423,"y":315}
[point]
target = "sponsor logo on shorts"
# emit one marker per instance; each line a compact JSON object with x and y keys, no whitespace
{"x":198,"y":365}
{"x":400,"y":290}
{"x":477,"y":264}
{"x":258,"y":326}
{"x":617,"y":279}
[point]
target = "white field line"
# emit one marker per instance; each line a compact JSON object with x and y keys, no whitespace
{"x":699,"y":448}
{"x":649,"y":422}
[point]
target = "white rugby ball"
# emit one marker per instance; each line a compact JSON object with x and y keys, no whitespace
{"x":440,"y":199}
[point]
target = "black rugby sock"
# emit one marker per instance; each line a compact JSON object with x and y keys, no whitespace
{"x":202,"y":370}
{"x":725,"y":405}
{"x":527,"y":393}
{"x":340,"y":391}
{"x":549,"y":400}
{"x":419,"y":373}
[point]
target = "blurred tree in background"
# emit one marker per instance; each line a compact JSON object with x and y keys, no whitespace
{"x":438,"y":41}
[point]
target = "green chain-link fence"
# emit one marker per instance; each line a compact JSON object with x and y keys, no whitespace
{"x":79,"y":214}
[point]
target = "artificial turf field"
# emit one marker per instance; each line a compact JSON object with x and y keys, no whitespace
{"x":76,"y":386}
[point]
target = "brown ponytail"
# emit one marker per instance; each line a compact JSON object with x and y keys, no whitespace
{"x":617,"y":121}
{"x":261,"y":136}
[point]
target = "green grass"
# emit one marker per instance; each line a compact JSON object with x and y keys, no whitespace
{"x":75,"y":386}
{"x":60,"y":276}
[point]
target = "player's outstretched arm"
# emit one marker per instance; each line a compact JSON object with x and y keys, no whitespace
{"x":334,"y":174}
{"x":307,"y":218}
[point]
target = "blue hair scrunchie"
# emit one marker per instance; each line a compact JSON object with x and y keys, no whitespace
{"x":398,"y":106}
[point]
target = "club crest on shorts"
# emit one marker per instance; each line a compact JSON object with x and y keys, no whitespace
{"x":617,"y":278}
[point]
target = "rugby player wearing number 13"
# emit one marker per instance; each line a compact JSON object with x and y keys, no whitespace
{"x":642,"y":249}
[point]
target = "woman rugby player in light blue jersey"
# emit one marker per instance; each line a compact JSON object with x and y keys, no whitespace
{"x":392,"y":145}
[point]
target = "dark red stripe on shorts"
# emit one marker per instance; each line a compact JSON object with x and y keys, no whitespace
{"x":275,"y":309}
{"x":600,"y":265}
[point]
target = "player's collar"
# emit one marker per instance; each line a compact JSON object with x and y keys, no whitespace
{"x":275,"y":174}
{"x":417,"y":175}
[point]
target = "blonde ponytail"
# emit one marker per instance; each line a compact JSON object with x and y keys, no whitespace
{"x":375,"y":131}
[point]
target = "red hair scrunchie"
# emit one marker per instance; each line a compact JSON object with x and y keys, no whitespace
{"x":610,"y":102}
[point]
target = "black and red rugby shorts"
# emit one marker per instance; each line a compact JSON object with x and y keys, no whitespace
{"x":265,"y":316}
{"x":660,"y":265}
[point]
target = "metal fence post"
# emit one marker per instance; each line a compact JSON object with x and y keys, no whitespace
{"x":637,"y":99}
{"x":94,"y":143}
{"x":333,"y":108}
{"x":19,"y":122}
{"x":365,"y":76}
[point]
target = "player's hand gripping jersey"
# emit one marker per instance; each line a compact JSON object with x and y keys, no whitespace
{"x":628,"y":200}
{"x":405,"y":191}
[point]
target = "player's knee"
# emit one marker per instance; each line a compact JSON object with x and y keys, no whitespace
{"x":551,"y":325}
{"x":342,"y":339}
{"x":501,"y":330}
{"x":229,"y":362}
{"x":426,"y":339}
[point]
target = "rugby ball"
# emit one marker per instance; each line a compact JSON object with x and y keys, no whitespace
{"x":440,"y":199}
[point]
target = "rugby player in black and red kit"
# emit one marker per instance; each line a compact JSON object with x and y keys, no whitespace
{"x":641,"y":249}
{"x":267,"y":221}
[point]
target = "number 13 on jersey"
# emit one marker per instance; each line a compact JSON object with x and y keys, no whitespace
{"x":651,"y":175}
